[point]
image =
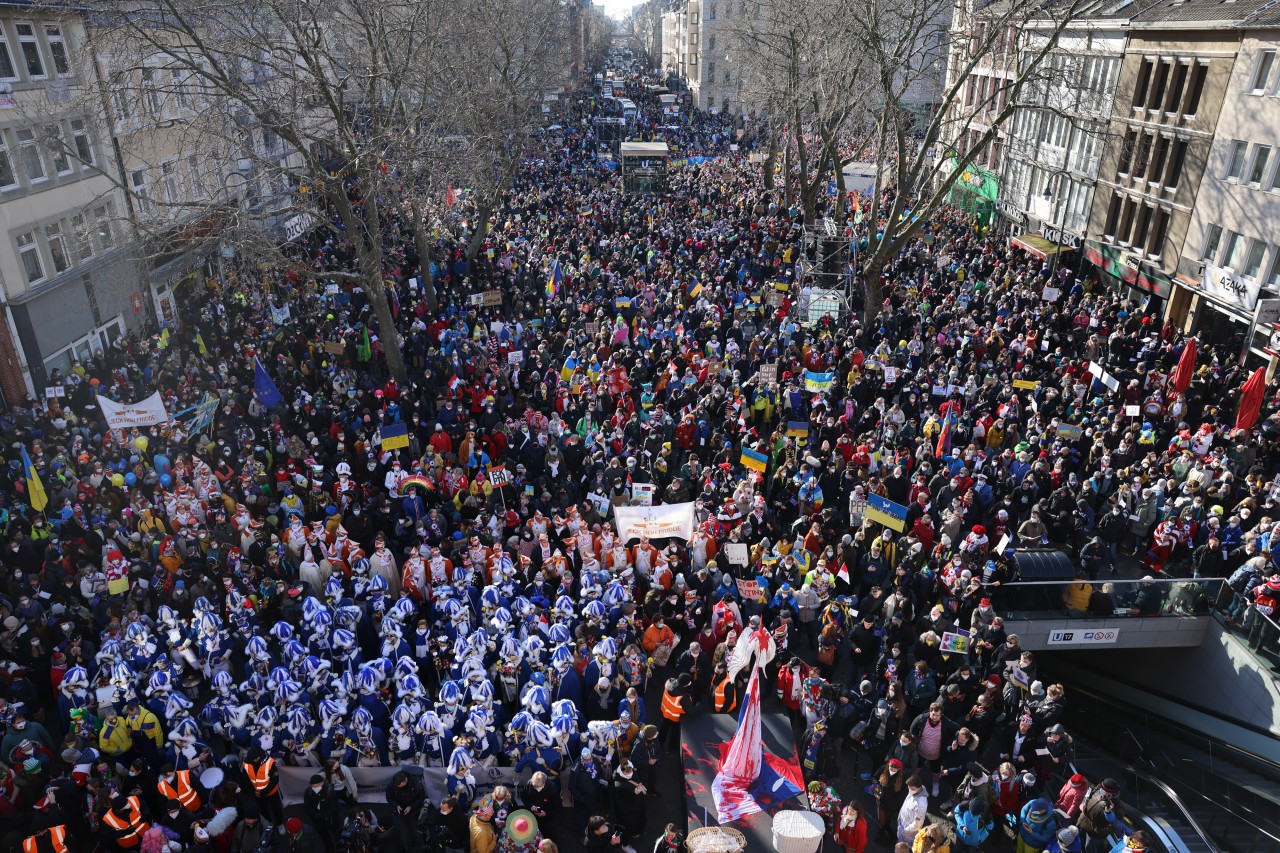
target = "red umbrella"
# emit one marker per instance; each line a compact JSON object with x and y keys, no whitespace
{"x":1186,"y":368}
{"x":1255,"y":388}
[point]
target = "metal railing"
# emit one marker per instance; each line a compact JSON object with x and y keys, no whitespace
{"x":1107,"y":599}
{"x":1257,"y":630}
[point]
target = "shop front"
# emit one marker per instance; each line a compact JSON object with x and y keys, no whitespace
{"x":1229,"y":309}
{"x":975,"y":192}
{"x":1138,"y":281}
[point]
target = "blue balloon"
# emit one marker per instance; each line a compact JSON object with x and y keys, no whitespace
{"x":131,"y":479}
{"x":166,"y":480}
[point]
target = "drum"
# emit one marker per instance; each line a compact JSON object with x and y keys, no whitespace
{"x":211,"y":778}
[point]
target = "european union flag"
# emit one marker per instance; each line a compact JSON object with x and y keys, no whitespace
{"x":886,"y":512}
{"x":264,"y":388}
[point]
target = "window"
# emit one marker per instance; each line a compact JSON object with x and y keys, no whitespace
{"x":1126,"y":152}
{"x":82,"y":238}
{"x":1196,"y":89}
{"x":270,"y":142}
{"x":102,"y":219}
{"x":7,"y":177}
{"x":1233,"y":254}
{"x":57,"y":50}
{"x":1261,"y":155}
{"x":1262,"y":74}
{"x":31,"y":155}
{"x":121,"y":98}
{"x":169,"y":177}
{"x":57,"y":149}
{"x":711,"y":12}
{"x":1235,"y":164}
{"x":57,"y":248}
{"x":150,"y":97}
{"x":30,"y":50}
{"x":1253,"y":265}
{"x":84,"y":148}
{"x":1211,"y":242}
{"x":1273,"y":275}
{"x":7,"y":71}
{"x":1113,"y":217}
{"x":179,"y":83}
{"x":1176,"y":160}
{"x":711,"y":42}
{"x":193,"y":173}
{"x":141,"y":192}
{"x":30,"y":254}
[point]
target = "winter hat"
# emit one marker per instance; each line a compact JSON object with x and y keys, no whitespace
{"x":1077,"y":779}
{"x":1067,"y":836}
{"x":1111,"y":786}
{"x":293,"y":826}
{"x":978,"y":806}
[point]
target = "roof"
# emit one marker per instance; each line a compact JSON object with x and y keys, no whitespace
{"x":1208,"y":14}
{"x":644,"y":149}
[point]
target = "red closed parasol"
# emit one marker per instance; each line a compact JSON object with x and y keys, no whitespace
{"x":1251,"y":395}
{"x":1186,"y":368}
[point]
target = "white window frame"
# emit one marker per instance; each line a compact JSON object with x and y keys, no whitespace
{"x":54,"y":238}
{"x":27,"y":148}
{"x":181,"y":97}
{"x":151,"y":99}
{"x":53,"y":36}
{"x":28,"y":247}
{"x":5,"y":46}
{"x":170,"y":181}
{"x":80,"y":133}
{"x":1212,"y":242}
{"x":140,"y":187}
{"x":1263,"y":151}
{"x":1255,"y":246}
{"x":57,"y":149}
{"x":102,"y":215}
{"x":81,"y":236}
{"x":7,"y":154}
{"x":34,"y":40}
{"x":1258,"y":81}
{"x":1237,"y":159}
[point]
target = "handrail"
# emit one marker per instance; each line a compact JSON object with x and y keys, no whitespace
{"x":1181,"y":806}
{"x":1221,"y":805}
{"x":1120,"y":704}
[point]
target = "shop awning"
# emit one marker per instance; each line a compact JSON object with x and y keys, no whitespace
{"x":1039,"y":246}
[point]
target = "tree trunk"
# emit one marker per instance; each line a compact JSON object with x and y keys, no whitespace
{"x":482,"y":229}
{"x":365,"y":232}
{"x":871,"y":274}
{"x":425,"y":278}
{"x":787,"y":183}
{"x":770,"y":159}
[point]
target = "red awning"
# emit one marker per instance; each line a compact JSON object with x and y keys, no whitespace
{"x":1039,"y":246}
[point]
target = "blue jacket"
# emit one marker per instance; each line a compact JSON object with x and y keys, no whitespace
{"x":970,"y":829}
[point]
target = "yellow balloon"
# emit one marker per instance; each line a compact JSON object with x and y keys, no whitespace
{"x":117,"y":480}
{"x":141,"y":443}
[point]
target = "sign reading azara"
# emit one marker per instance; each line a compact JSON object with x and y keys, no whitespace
{"x":664,"y":521}
{"x":148,"y":412}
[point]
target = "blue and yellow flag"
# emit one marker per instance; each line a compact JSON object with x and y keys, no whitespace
{"x":884,"y":511}
{"x":555,"y":281}
{"x":695,"y":288}
{"x":754,"y":460}
{"x":815,"y":381}
{"x":622,"y":302}
{"x":570,"y":365}
{"x":798,"y":429}
{"x":35,"y":489}
{"x":394,"y":436}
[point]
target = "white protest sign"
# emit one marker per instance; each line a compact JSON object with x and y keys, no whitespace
{"x":665,"y":521}
{"x":736,"y":553}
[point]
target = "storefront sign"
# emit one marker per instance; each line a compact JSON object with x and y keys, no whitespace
{"x":1061,"y":237}
{"x":1011,"y":213}
{"x":1268,"y":312}
{"x":297,"y":226}
{"x":1225,"y":286}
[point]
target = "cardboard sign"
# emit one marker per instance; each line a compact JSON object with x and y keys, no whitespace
{"x":600,"y":502}
{"x":642,"y":494}
{"x":737,"y":553}
{"x":593,"y":328}
{"x":499,"y":476}
{"x":491,"y":298}
{"x":1071,"y":432}
{"x":54,"y":391}
{"x":1002,"y":544}
{"x":769,"y":374}
{"x":515,"y":357}
{"x":335,"y":347}
{"x":955,"y":643}
{"x":332,"y":290}
{"x":749,"y":590}
{"x":1026,"y":384}
{"x":1132,"y":411}
{"x":1050,"y":294}
{"x":890,"y":375}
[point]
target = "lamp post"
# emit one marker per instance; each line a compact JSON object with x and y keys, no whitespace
{"x":1055,"y":221}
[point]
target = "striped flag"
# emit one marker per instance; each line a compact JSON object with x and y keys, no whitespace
{"x":798,"y":429}
{"x":881,"y":510}
{"x":815,"y":381}
{"x":570,"y":365}
{"x":944,"y":437}
{"x":754,"y":460}
{"x":695,"y":288}
{"x":555,"y":281}
{"x":36,"y":495}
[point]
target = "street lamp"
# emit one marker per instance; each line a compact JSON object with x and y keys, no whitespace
{"x":1055,"y":222}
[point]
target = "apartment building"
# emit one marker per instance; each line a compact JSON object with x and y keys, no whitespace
{"x":703,"y":52}
{"x":1059,"y":128}
{"x":987,"y":32}
{"x":69,"y":287}
{"x":1230,"y":260}
{"x":1177,"y":65}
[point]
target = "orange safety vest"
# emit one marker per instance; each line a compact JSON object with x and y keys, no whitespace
{"x":181,"y":790}
{"x":722,"y":698}
{"x":261,"y":777}
{"x":671,"y":707}
{"x":135,"y":826}
{"x":57,"y":837}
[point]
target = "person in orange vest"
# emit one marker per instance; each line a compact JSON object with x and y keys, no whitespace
{"x":51,"y":840}
{"x":264,"y":781}
{"x":724,"y":692}
{"x":676,"y":702}
{"x":177,"y":785}
{"x":123,"y":825}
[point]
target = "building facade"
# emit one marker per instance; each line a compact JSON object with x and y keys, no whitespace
{"x":69,"y":285}
{"x":1230,"y":260}
{"x":1059,"y":130}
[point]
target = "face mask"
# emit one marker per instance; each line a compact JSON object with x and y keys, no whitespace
{"x":893,"y":771}
{"x":317,"y":788}
{"x":19,"y":726}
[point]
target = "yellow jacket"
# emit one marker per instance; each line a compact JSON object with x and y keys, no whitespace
{"x":146,"y":725}
{"x":1076,"y":596}
{"x":115,"y":739}
{"x":482,"y":838}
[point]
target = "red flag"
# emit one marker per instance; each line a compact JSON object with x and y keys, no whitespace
{"x":1251,"y":399}
{"x":448,"y":196}
{"x":1186,"y":368}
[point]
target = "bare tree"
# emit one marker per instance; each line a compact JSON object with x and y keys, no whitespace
{"x":643,"y":29}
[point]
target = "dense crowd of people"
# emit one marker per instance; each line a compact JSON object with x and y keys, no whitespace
{"x":281,"y":590}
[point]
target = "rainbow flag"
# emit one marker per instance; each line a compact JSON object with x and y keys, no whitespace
{"x":754,"y":460}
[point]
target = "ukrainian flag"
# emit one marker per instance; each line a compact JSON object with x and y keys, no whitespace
{"x":570,"y":365}
{"x":35,"y":489}
{"x":695,"y":287}
{"x":555,"y":281}
{"x":754,"y":460}
{"x":798,"y":429}
{"x":622,"y":302}
{"x":886,"y":512}
{"x":814,"y":381}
